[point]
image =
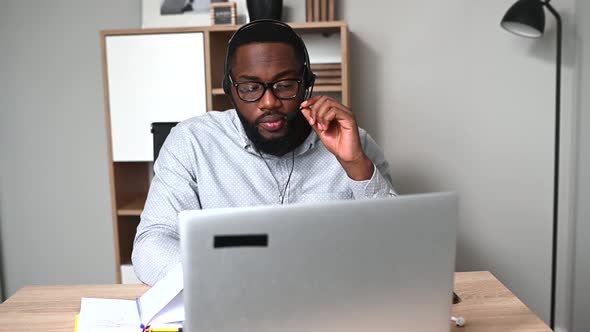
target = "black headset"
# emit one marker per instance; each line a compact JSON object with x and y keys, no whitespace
{"x":308,"y":75}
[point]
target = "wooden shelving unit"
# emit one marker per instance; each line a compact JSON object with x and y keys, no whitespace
{"x":130,"y":180}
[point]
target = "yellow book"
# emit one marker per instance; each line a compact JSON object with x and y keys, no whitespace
{"x":76,"y":323}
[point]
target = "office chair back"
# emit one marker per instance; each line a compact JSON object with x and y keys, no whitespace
{"x":160,"y":131}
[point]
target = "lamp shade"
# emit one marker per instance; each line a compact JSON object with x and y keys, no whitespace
{"x":525,"y":18}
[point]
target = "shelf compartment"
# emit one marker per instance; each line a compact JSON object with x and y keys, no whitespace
{"x":126,"y":229}
{"x":131,"y":181}
{"x":134,"y":207}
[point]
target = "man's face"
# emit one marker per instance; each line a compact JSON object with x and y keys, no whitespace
{"x":264,"y":120}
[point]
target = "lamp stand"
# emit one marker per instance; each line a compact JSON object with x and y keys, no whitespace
{"x":555,"y":160}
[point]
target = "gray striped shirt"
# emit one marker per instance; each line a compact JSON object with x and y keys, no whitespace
{"x":209,"y":162}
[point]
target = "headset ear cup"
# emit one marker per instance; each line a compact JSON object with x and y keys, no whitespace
{"x":311,"y":80}
{"x":308,"y":76}
{"x":308,"y":81}
{"x":225,"y":84}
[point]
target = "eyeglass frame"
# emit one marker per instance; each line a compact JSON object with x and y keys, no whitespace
{"x":266,"y":86}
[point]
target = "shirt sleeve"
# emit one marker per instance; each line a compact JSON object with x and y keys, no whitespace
{"x":156,"y":248}
{"x":380,"y":183}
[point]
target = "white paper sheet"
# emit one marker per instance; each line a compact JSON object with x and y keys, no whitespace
{"x":160,"y":295}
{"x":173,"y":312}
{"x":108,"y":315}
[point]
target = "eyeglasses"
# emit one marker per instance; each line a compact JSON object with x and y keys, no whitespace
{"x":252,"y":91}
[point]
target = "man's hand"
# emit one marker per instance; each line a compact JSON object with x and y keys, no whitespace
{"x":336,"y":127}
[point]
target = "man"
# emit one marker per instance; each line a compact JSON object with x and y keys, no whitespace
{"x":275,"y":147}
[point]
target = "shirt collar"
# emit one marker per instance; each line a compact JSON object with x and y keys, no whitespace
{"x":311,"y":140}
{"x":242,"y":137}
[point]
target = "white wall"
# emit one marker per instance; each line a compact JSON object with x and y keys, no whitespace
{"x":459,"y":104}
{"x":581,"y":278}
{"x":55,"y":213}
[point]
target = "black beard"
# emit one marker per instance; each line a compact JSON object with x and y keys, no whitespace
{"x":297,"y":130}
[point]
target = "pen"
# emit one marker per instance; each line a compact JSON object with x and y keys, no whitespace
{"x":143,"y":327}
{"x":166,"y":329}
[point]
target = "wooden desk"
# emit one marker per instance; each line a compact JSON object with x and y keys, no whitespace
{"x":486,"y":305}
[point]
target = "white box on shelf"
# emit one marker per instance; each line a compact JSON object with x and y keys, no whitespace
{"x":128,"y":275}
{"x":156,"y":77}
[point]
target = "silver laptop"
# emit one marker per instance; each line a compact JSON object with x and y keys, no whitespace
{"x":367,"y":265}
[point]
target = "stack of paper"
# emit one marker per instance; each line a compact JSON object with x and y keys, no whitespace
{"x":160,"y":307}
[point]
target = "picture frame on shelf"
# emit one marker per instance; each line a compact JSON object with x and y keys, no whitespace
{"x":174,"y":13}
{"x":184,"y":13}
{"x":223,"y":13}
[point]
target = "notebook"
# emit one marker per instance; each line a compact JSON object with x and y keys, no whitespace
{"x":160,"y":307}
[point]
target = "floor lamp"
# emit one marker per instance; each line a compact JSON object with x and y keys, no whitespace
{"x":527,"y":18}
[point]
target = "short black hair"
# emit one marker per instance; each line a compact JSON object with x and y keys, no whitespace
{"x":266,"y":31}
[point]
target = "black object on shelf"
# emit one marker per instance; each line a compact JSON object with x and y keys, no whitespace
{"x":265,"y":9}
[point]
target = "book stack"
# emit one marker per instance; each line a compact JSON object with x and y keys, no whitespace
{"x":327,"y":73}
{"x":320,"y":10}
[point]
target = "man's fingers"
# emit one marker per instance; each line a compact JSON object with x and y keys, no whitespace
{"x":331,"y":111}
{"x":322,"y":110}
{"x":321,"y":113}
{"x":326,"y":118}
{"x":307,"y":114}
{"x":314,"y":103}
{"x":317,"y":107}
{"x":310,"y":101}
